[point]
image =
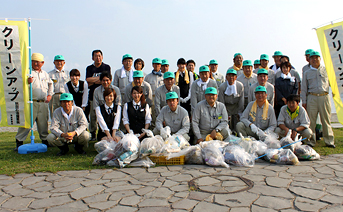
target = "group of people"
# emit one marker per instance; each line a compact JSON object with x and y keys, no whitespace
{"x":252,"y":99}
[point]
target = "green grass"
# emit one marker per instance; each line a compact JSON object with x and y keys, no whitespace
{"x":13,"y":163}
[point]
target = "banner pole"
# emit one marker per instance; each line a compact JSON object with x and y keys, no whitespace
{"x":32,"y":137}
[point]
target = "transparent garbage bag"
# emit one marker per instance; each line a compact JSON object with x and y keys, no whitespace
{"x":142,"y":162}
{"x":282,"y":156}
{"x":236,"y":155}
{"x":272,"y":140}
{"x":213,"y":156}
{"x":165,"y":132}
{"x":194,"y":155}
{"x":152,"y":144}
{"x":175,"y":143}
{"x":305,"y":152}
{"x":104,"y":144}
{"x":287,"y":140}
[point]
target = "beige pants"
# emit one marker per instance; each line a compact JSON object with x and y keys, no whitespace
{"x":54,"y":103}
{"x":306,"y":133}
{"x":224,"y":132}
{"x":321,"y":105}
{"x":82,"y":139}
{"x":245,"y":131}
{"x":92,"y":118}
{"x":41,"y":117}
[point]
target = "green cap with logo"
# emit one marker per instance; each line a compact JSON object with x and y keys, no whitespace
{"x":215,"y":62}
{"x":165,"y":62}
{"x":203,"y":68}
{"x":171,"y":95}
{"x":260,"y":88}
{"x":314,"y":53}
{"x":264,"y":57}
{"x":262,"y":71}
{"x":247,"y":63}
{"x":231,"y":71}
{"x":157,"y":60}
{"x":66,"y":97}
{"x":168,"y":74}
{"x":211,"y":90}
{"x":257,"y":62}
{"x":138,"y":74}
{"x":277,"y":53}
{"x":308,"y":51}
{"x":235,"y":55}
{"x":59,"y":57}
{"x":127,"y":56}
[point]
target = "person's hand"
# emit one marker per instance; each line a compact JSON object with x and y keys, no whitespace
{"x":304,"y":106}
{"x":200,"y":140}
{"x":261,"y":134}
{"x":48,"y":98}
{"x":116,"y":138}
{"x":109,"y":138}
{"x":164,"y":124}
{"x":286,"y":132}
{"x":284,"y":100}
{"x":141,"y":135}
{"x":30,"y":80}
{"x":83,"y":108}
{"x":69,"y":136}
{"x":213,"y":134}
{"x":254,"y":128}
{"x":294,"y":133}
{"x":182,"y":100}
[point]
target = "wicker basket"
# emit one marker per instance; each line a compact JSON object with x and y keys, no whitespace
{"x":162,"y":161}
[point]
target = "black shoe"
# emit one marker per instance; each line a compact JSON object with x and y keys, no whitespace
{"x":18,"y":144}
{"x":46,"y":143}
{"x":79,"y":149}
{"x":331,"y":146}
{"x":93,"y":136}
{"x":64,"y":150}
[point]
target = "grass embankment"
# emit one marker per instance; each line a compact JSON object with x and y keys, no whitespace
{"x":12,"y":163}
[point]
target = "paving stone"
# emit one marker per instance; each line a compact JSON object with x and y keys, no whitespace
{"x":175,"y":168}
{"x":101,"y":171}
{"x":263,"y":172}
{"x":174,"y":199}
{"x":160,"y":193}
{"x":144,"y":190}
{"x":103,"y":205}
{"x":181,"y":177}
{"x":131,"y":201}
{"x":72,"y":207}
{"x":66,"y":181}
{"x":181,"y":194}
{"x":94,"y":176}
{"x":180,"y":188}
{"x":32,"y":180}
{"x":323,"y":176}
{"x":94,"y":182}
{"x":87,"y":191}
{"x":44,"y":188}
{"x":40,"y":184}
{"x":194,"y":173}
{"x":97,"y":198}
{"x":22,"y":175}
{"x":211,"y":188}
{"x":4,"y":197}
{"x":52,"y":178}
{"x":153,"y":203}
{"x":9,"y":182}
{"x":195,"y":167}
{"x":277,"y":168}
{"x":337,"y":208}
{"x":330,"y":182}
{"x":19,"y":192}
{"x":316,"y":186}
{"x":278,"y":182}
{"x":335,"y":190}
{"x":273,"y":202}
{"x":209,"y":170}
{"x":255,"y":178}
{"x":50,"y":202}
{"x":336,"y":167}
{"x":332,"y":199}
{"x":306,"y":179}
{"x":308,"y":193}
{"x":233,"y":183}
{"x":114,"y":175}
{"x":232,"y":172}
{"x":67,"y":189}
{"x":118,"y":183}
{"x":234,"y":189}
{"x":198,"y":195}
{"x":289,"y":210}
{"x":5,"y":177}
{"x":161,"y":179}
{"x":76,"y":173}
{"x":153,"y":183}
{"x":123,"y":188}
{"x":305,"y":204}
{"x":122,"y":209}
{"x":39,"y":174}
{"x":202,"y":181}
{"x":170,"y":183}
{"x":133,"y":171}
{"x":242,"y":199}
{"x":300,"y":169}
{"x":240,"y":209}
{"x":324,"y":170}
{"x":186,"y":204}
{"x":285,"y":175}
{"x":272,"y":191}
{"x":146,"y":176}
{"x":155,"y":209}
{"x":12,"y":186}
{"x":256,"y":208}
{"x":339,"y":174}
{"x":158,"y":169}
{"x":169,"y":174}
{"x":38,"y":195}
{"x":120,"y":194}
{"x":205,"y":206}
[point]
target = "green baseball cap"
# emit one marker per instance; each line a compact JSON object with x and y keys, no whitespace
{"x":59,"y":57}
{"x":260,"y":88}
{"x":231,"y":71}
{"x":235,"y":55}
{"x":308,"y":51}
{"x":138,"y":74}
{"x":66,"y":97}
{"x":277,"y":53}
{"x":165,"y":62}
{"x":171,"y":95}
{"x":262,"y":71}
{"x":168,"y":74}
{"x":211,"y":90}
{"x":264,"y":57}
{"x":257,"y":62}
{"x":247,"y":63}
{"x":127,"y":56}
{"x":215,"y":62}
{"x":203,"y":68}
{"x":314,"y":53}
{"x":157,"y":60}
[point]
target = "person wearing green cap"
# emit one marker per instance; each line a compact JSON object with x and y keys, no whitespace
{"x":231,"y":93}
{"x":42,"y":90}
{"x":68,"y":125}
{"x":257,"y":64}
{"x":259,"y":116}
{"x":264,"y":60}
{"x":316,"y":100}
{"x":218,"y":77}
{"x":210,"y":117}
{"x":59,"y":77}
{"x":174,"y":116}
{"x":138,"y":80}
{"x":237,"y":63}
{"x":277,"y":60}
{"x":307,"y":66}
{"x":123,"y":76}
{"x":199,"y":86}
{"x":248,"y":78}
{"x":164,"y":66}
{"x":262,"y":80}
{"x":160,"y":94}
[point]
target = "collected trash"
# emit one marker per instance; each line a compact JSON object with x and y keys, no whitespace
{"x":282,"y":156}
{"x":213,"y":156}
{"x":305,"y":152}
{"x":237,"y":156}
{"x":152,"y":144}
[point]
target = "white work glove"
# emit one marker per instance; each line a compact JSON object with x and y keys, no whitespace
{"x":261,"y":134}
{"x":182,"y":100}
{"x":253,"y":128}
{"x":187,"y":98}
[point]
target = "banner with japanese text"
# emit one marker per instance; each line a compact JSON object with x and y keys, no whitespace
{"x":14,"y":68}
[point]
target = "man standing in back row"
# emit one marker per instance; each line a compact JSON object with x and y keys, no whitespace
{"x":124,"y":76}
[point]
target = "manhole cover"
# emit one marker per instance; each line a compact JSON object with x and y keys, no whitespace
{"x":220,"y":184}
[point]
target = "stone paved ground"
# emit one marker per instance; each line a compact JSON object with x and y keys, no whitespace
{"x":310,"y":186}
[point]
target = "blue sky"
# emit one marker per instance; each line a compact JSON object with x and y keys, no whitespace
{"x":170,"y":29}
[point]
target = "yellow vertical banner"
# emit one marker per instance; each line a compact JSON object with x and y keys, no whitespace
{"x":331,"y":44}
{"x":14,"y":68}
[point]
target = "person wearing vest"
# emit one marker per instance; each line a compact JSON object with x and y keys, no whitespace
{"x":108,"y":116}
{"x":136,"y":113}
{"x":79,"y":90}
{"x":184,"y":79}
{"x":237,"y":63}
{"x":264,"y":60}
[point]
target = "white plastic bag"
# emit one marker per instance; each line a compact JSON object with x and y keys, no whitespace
{"x":259,"y":147}
{"x":104,"y":144}
{"x":194,"y":155}
{"x":272,"y":140}
{"x":142,"y":162}
{"x":175,"y":143}
{"x":236,"y":155}
{"x":130,"y":142}
{"x":152,"y":144}
{"x":305,"y":152}
{"x":213,"y":156}
{"x":282,"y":156}
{"x":287,"y":140}
{"x":165,"y":132}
